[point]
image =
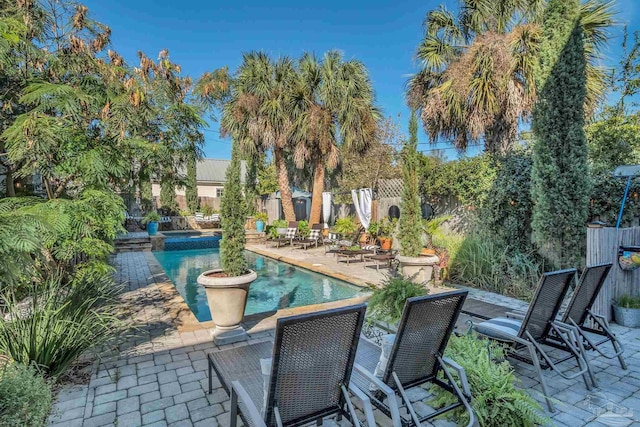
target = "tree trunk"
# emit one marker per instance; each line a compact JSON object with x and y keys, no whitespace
{"x":316,"y":193}
{"x":283,"y":182}
{"x":10,"y":189}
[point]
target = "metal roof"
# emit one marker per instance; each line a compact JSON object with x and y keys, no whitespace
{"x":214,"y":170}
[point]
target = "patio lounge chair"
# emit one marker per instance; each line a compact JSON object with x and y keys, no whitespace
{"x":309,"y":364}
{"x":415,"y":357}
{"x":315,"y":236}
{"x":578,"y":314}
{"x":287,"y":239}
{"x":338,"y":245}
{"x":526,"y":337}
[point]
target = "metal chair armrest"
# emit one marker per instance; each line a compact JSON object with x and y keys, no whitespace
{"x":462,"y":375}
{"x":516,"y":314}
{"x":238,"y":393}
{"x":391,"y":395}
{"x":367,"y":408}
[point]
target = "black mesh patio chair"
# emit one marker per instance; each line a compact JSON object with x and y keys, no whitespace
{"x":287,"y":239}
{"x":415,"y":358}
{"x":525,"y":337}
{"x":578,"y":314}
{"x":310,"y":366}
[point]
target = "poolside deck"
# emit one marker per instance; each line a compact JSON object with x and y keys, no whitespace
{"x":159,"y":377}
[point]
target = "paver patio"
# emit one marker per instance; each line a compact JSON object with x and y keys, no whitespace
{"x":159,"y":377}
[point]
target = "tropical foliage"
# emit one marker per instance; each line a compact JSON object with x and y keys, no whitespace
{"x":387,"y":301}
{"x":477,"y":79}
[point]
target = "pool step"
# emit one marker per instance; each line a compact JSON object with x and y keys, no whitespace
{"x":142,"y":244}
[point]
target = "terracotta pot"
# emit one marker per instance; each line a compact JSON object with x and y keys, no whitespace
{"x":426,"y":251}
{"x":386,"y":243}
{"x":227,"y":298}
{"x":418,"y":269}
{"x":364,"y":238}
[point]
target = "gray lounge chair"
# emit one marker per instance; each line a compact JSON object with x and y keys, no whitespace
{"x":415,"y":358}
{"x":526,"y":337}
{"x":287,"y":239}
{"x":578,"y":313}
{"x":310,"y":370}
{"x":314,"y":237}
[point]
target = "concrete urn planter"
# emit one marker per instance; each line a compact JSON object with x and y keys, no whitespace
{"x":418,"y":269}
{"x":227,"y":298}
{"x":629,"y":317}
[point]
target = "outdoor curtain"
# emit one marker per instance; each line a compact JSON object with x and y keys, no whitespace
{"x":326,"y":208}
{"x":362,"y":201}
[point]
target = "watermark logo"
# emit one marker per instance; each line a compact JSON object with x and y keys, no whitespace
{"x":608,"y":412}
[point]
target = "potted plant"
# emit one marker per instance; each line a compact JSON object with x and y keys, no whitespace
{"x":280,"y":227}
{"x":208,"y":210}
{"x":385,"y":232}
{"x":152,"y":219}
{"x":417,"y":268}
{"x":345,"y":226}
{"x":626,"y":311}
{"x":261,"y":219}
{"x":303,"y":229}
{"x":227,"y":287}
{"x":431,"y":227}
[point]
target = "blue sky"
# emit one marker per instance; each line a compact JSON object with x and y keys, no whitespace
{"x":203,"y":35}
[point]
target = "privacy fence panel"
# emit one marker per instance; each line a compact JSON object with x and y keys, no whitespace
{"x":602,"y":246}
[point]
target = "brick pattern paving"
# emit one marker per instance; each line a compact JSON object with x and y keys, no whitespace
{"x":159,"y":378}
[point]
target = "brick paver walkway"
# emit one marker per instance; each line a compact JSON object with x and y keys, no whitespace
{"x":159,"y":379}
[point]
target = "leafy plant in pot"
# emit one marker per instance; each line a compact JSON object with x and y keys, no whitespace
{"x":227,"y":287}
{"x":385,"y":232}
{"x":261,"y":219}
{"x":417,"y":268}
{"x":626,"y":311}
{"x":152,"y":219}
{"x":345,"y":226}
{"x":278,"y":228}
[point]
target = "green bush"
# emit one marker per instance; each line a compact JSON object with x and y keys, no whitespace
{"x":151,"y":217}
{"x":208,"y":210}
{"x":627,"y":301}
{"x":303,"y":229}
{"x":606,"y":198}
{"x":483,"y":262}
{"x":410,"y":232}
{"x":62,"y":321}
{"x":497,"y":401}
{"x":25,"y":396}
{"x":345,"y":226}
{"x":387,"y":302}
{"x":261,"y":216}
{"x":387,"y":227}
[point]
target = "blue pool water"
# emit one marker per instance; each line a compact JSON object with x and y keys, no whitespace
{"x":279,"y":285}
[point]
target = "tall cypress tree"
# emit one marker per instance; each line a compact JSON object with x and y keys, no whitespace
{"x":560,"y":185}
{"x":233,"y":213}
{"x":191,"y":185}
{"x":410,"y":211}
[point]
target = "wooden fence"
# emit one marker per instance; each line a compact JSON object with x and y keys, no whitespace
{"x":602,"y":246}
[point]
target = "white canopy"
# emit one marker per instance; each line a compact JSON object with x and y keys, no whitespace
{"x":326,"y":208}
{"x":362,"y":201}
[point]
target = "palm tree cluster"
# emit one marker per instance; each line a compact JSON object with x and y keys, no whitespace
{"x":479,"y":72}
{"x":301,"y":111}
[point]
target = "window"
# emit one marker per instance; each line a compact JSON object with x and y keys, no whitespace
{"x":219,"y":192}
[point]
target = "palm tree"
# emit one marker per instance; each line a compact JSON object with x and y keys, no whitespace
{"x":333,"y":104}
{"x":258,"y":115}
{"x":477,"y":80}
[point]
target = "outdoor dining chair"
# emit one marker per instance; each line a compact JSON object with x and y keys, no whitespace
{"x":302,"y":377}
{"x":526,"y":337}
{"x":413,"y":357}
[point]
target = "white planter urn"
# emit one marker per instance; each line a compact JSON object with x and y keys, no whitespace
{"x":227,"y":298}
{"x":418,"y":269}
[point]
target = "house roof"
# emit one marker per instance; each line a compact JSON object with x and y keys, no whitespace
{"x":214,"y":170}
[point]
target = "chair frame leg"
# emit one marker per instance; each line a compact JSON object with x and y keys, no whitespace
{"x":405,"y":398}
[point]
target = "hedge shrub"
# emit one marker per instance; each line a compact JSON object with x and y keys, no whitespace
{"x":25,"y":397}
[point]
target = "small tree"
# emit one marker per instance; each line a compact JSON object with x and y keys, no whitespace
{"x":410,"y":211}
{"x":560,"y":183}
{"x":191,"y":185}
{"x":233,"y":213}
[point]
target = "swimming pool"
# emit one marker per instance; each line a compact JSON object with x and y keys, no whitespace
{"x":279,"y":285}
